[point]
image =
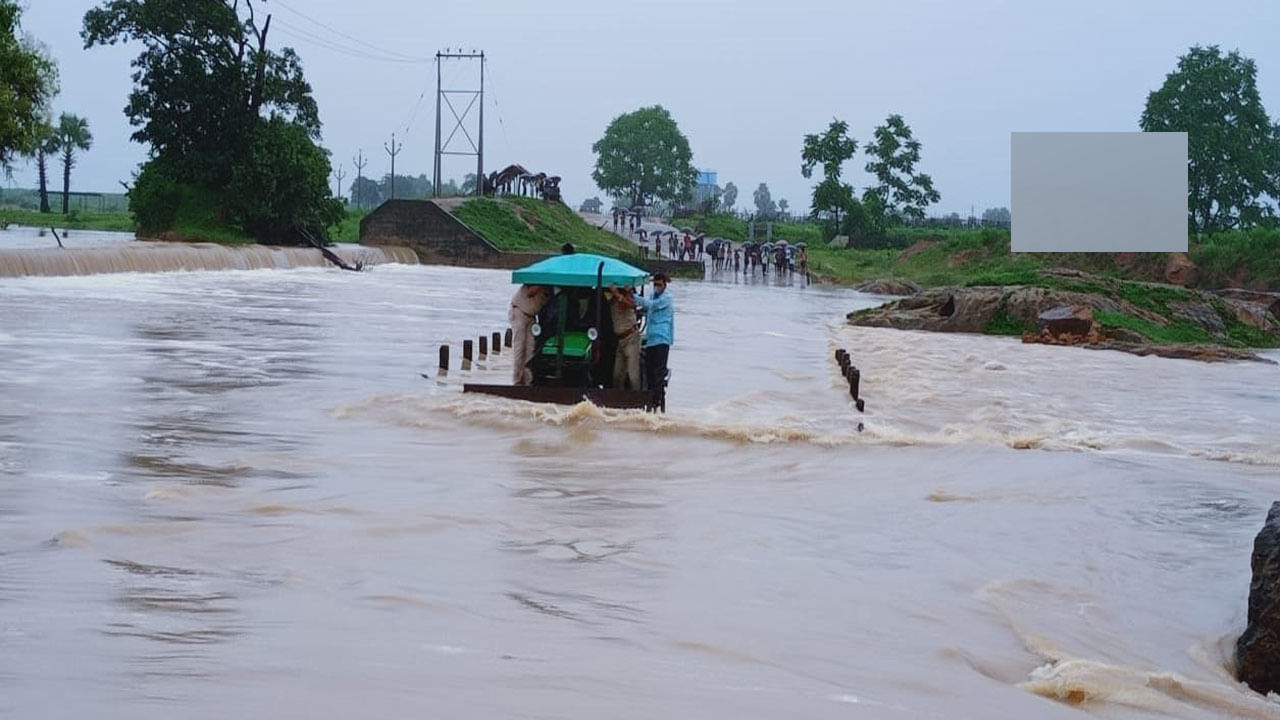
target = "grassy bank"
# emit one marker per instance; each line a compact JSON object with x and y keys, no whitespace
{"x":530,"y":225}
{"x":119,"y":221}
{"x":982,"y":257}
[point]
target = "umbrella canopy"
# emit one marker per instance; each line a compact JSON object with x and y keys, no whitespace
{"x":802,"y":244}
{"x":685,"y":230}
{"x":579,"y":270}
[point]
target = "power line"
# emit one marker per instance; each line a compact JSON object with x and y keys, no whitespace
{"x":356,"y":40}
{"x":502,"y":125}
{"x":301,"y":34}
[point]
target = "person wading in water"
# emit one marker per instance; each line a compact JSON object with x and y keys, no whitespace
{"x":659,"y":336}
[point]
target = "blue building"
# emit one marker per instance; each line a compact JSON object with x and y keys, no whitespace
{"x":705,"y":187}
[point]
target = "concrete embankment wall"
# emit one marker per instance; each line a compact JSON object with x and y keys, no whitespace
{"x":171,"y":257}
{"x":440,"y":238}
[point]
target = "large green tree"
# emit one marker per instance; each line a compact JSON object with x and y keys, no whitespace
{"x":72,"y":134}
{"x":1233,"y":149}
{"x":28,"y":82}
{"x":829,"y":149}
{"x":893,"y":157}
{"x":207,"y":94}
{"x":643,"y":156}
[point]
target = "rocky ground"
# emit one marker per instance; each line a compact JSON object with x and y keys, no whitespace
{"x":1074,"y":308}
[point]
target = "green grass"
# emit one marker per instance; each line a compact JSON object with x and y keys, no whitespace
{"x":1177,"y":332}
{"x":198,"y":219}
{"x":74,"y":220}
{"x":348,"y":231}
{"x":531,"y":225}
{"x":1244,"y":257}
{"x":1002,"y":323}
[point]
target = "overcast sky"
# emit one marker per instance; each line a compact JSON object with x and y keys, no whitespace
{"x":745,"y":80}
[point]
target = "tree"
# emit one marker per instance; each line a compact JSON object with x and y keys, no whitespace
{"x":765,"y":207}
{"x":207,"y":92}
{"x":28,"y":83}
{"x":830,"y":150}
{"x":782,"y":206}
{"x":1233,"y":149}
{"x":894,"y":154}
{"x":995,"y":215}
{"x":366,"y":192}
{"x":730,"y":196}
{"x":46,"y":146}
{"x":831,"y":198}
{"x":408,"y":186}
{"x":272,"y":188}
{"x":72,"y":134}
{"x":643,"y":156}
{"x":448,"y":188}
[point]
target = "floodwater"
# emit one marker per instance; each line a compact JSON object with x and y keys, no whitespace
{"x":233,"y":494}
{"x":26,"y":251}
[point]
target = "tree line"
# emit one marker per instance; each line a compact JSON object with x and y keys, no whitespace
{"x":1233,"y":158}
{"x":233,"y":131}
{"x":366,"y":192}
{"x":29,"y":80}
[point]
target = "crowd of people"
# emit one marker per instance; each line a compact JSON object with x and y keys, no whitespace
{"x":782,"y":259}
{"x":748,"y":258}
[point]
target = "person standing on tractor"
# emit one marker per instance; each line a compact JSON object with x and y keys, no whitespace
{"x":659,"y":336}
{"x":525,"y":304}
{"x":626,"y":359}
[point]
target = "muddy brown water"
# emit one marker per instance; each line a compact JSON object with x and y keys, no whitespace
{"x":232,"y":494}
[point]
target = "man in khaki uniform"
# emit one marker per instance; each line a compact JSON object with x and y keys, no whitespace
{"x":626,"y":361}
{"x":525,"y":305}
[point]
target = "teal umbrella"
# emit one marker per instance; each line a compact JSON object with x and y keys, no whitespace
{"x":580,"y":270}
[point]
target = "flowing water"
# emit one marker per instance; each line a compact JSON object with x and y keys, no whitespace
{"x":29,"y":251}
{"x":233,"y":494}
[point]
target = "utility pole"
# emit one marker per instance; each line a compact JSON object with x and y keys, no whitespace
{"x":360,"y":162}
{"x":443,"y":100}
{"x":341,"y":174}
{"x":393,"y":151}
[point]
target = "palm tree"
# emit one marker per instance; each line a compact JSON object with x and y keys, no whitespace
{"x":46,"y":145}
{"x":72,"y":134}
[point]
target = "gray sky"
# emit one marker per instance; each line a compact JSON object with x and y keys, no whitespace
{"x":745,"y":80}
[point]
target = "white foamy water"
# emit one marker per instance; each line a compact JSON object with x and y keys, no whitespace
{"x":233,"y":494}
{"x":23,"y":237}
{"x":27,"y":252}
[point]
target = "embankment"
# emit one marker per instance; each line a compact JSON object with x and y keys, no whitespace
{"x":503,"y":233}
{"x":172,"y":257}
{"x":1075,"y":308}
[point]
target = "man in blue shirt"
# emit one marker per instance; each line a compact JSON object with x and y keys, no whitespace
{"x":659,"y":335}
